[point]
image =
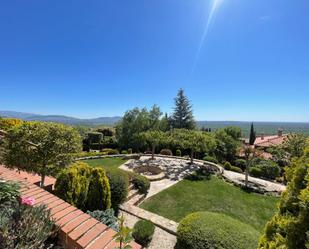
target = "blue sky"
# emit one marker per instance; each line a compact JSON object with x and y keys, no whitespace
{"x":235,"y":59}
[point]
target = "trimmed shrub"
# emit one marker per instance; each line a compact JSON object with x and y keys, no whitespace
{"x":106,"y":217}
{"x":124,"y":152}
{"x":72,"y":184}
{"x":241,"y":163}
{"x":255,"y":172}
{"x":227,"y":166}
{"x":269,"y":169}
{"x":236,"y":169}
{"x":119,"y":187}
{"x":113,"y":152}
{"x":143,"y":231}
{"x":212,"y":230}
{"x":166,"y":152}
{"x":210,"y":159}
{"x":129,"y":151}
{"x":178,"y":152}
{"x":9,"y":191}
{"x":141,"y":183}
{"x":99,"y":194}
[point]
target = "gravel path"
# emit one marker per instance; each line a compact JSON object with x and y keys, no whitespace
{"x":161,"y":239}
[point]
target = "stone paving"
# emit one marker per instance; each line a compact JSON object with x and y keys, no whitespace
{"x":161,"y":239}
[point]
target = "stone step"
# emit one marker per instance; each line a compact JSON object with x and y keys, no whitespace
{"x":137,"y":199}
{"x":132,"y":193}
{"x":131,"y":186}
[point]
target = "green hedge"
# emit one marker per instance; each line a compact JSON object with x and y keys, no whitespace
{"x":166,"y":152}
{"x":227,"y":166}
{"x":141,"y":183}
{"x":215,"y":231}
{"x":210,"y":159}
{"x":143,"y":231}
{"x":119,"y":186}
{"x":255,"y":172}
{"x":236,"y":169}
{"x":241,"y":163}
{"x":178,"y":152}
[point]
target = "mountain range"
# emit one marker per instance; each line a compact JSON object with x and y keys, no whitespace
{"x":60,"y":118}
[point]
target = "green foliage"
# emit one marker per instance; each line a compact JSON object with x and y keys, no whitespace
{"x":241,"y":163}
{"x":135,"y":122}
{"x":233,"y":131}
{"x":84,"y":187}
{"x":269,"y":169}
{"x":106,"y":217}
{"x":289,"y":228}
{"x":153,"y":138}
{"x":210,"y":159}
{"x":8,"y":124}
{"x":99,"y":194}
{"x":124,"y":152}
{"x":119,"y":185}
{"x":226,"y":146}
{"x":182,"y":117}
{"x":112,"y":152}
{"x":143,"y":231}
{"x":236,"y":169}
{"x":26,"y":227}
{"x":227,"y":166}
{"x":123,"y":236}
{"x":130,"y":151}
{"x":72,"y":184}
{"x":252,"y":136}
{"x":295,"y":144}
{"x":178,"y":152}
{"x":48,"y":152}
{"x":9,"y":191}
{"x":255,"y":172}
{"x":166,"y":152}
{"x":95,"y":137}
{"x":212,"y":230}
{"x":141,"y":183}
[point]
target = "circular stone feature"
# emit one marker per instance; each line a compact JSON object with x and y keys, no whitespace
{"x":153,"y":173}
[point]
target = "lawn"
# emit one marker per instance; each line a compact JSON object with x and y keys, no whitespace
{"x":106,"y":163}
{"x":212,"y":195}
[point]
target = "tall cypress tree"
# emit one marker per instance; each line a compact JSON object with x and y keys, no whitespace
{"x":183,"y":114}
{"x":252,"y":135}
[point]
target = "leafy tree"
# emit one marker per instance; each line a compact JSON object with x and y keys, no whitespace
{"x":123,"y":236}
{"x":289,"y":227}
{"x":252,"y":135}
{"x":49,"y":150}
{"x":226,"y":146}
{"x":195,"y":141}
{"x":249,"y":152}
{"x":154,"y":138}
{"x":182,"y":117}
{"x":295,"y":144}
{"x":135,"y":122}
{"x":233,"y":131}
{"x":164,"y":124}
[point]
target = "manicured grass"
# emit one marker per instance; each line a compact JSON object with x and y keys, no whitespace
{"x":106,"y":163}
{"x":212,"y":195}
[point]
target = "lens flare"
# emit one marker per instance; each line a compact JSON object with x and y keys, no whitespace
{"x":213,"y":10}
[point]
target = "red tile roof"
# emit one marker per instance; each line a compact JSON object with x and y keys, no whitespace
{"x":76,"y":228}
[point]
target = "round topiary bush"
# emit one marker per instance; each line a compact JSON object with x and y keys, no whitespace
{"x":178,"y":152}
{"x":166,"y":152}
{"x":119,"y":185}
{"x":210,"y":159}
{"x":227,"y":166}
{"x":141,"y":183}
{"x":143,"y":231}
{"x":215,"y":231}
{"x":236,"y":169}
{"x":255,"y":172}
{"x":241,"y":163}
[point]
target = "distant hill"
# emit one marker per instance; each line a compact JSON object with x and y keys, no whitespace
{"x":61,"y":118}
{"x":261,"y":127}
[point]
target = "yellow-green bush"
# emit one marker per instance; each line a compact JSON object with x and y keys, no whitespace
{"x":212,"y":230}
{"x":84,"y":187}
{"x":72,"y":184}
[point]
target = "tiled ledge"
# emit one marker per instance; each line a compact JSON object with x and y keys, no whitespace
{"x":77,"y":230}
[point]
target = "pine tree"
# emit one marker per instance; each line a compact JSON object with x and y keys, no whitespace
{"x":252,"y":135}
{"x":183,"y":115}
